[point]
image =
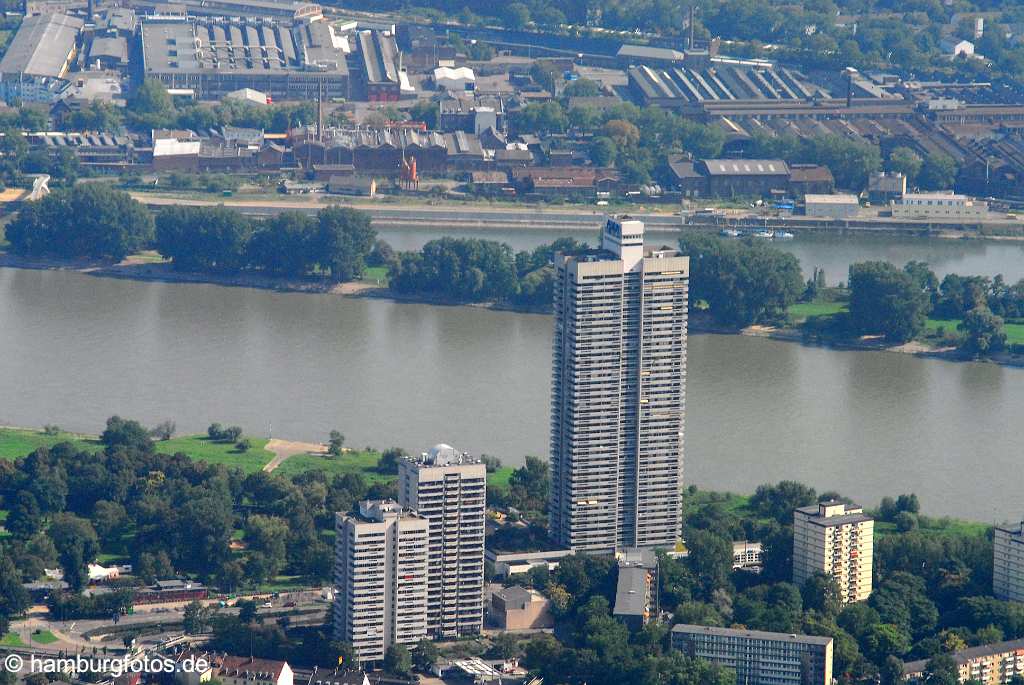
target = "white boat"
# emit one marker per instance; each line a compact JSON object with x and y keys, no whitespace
{"x":783,"y":235}
{"x":762,"y":233}
{"x":729,"y":233}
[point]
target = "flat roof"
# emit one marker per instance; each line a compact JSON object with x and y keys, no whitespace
{"x":216,"y":45}
{"x":836,"y":199}
{"x":42,"y":45}
{"x":752,"y":634}
{"x":631,"y":591}
{"x":965,"y":655}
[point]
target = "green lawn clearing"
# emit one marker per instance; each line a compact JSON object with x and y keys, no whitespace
{"x":44,"y":637}
{"x":201,"y":448}
{"x":18,"y":442}
{"x":363,"y":462}
{"x":11,"y":640}
{"x":376,"y":275}
{"x":805,"y":310}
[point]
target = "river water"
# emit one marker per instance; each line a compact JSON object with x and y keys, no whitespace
{"x":75,"y":349}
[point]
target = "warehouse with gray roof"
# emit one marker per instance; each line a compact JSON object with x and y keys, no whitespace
{"x":214,"y":56}
{"x":37,"y":61}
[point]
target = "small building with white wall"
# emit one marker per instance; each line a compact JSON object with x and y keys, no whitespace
{"x":944,"y":205}
{"x":835,"y":206}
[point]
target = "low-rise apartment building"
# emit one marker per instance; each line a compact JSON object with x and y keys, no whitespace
{"x":636,"y":591}
{"x":992,"y":664}
{"x":748,"y":555}
{"x":758,"y":657}
{"x":837,"y":539}
{"x":1008,"y":562}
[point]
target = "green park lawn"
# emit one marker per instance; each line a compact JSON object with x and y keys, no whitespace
{"x":802,"y":311}
{"x":44,"y":637}
{"x":201,"y":448}
{"x":11,"y":640}
{"x":362,"y":462}
{"x":375,"y":274}
{"x":1014,"y":331}
{"x":17,"y":442}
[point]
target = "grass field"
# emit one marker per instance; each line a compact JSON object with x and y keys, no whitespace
{"x":375,"y":275}
{"x":804,"y":310}
{"x":201,"y":448}
{"x":11,"y":640}
{"x":1014,"y":331}
{"x":364,"y":463}
{"x":44,"y":637}
{"x":17,"y":442}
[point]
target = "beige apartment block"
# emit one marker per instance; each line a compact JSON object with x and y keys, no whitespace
{"x":449,"y":488}
{"x":837,"y":539}
{"x":380,"y":572}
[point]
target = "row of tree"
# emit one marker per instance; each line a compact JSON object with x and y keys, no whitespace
{"x":94,"y":220}
{"x":474,"y":270}
{"x":335,"y":243}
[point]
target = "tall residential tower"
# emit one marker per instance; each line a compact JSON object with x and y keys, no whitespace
{"x":618,"y":393}
{"x":448,"y":488}
{"x":380,"y":572}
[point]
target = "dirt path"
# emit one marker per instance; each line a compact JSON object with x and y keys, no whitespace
{"x":283,"y":449}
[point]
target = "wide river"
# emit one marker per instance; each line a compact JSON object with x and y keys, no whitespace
{"x":75,"y":349}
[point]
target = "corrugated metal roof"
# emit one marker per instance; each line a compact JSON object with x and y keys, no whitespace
{"x":42,"y":46}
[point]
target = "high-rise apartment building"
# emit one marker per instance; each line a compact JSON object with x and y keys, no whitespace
{"x":836,"y":539}
{"x":448,"y":488}
{"x":380,"y":572}
{"x":758,"y":657}
{"x":1008,"y":562}
{"x":618,"y":393}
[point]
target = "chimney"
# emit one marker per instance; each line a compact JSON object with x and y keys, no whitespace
{"x":693,"y":9}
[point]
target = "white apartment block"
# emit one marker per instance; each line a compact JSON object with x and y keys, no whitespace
{"x":618,"y":394}
{"x":836,"y":539}
{"x":1008,"y":562}
{"x":380,"y":571}
{"x":747,"y":555}
{"x":938,"y":206}
{"x":448,"y":488}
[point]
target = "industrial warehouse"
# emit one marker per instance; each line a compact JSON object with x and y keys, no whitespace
{"x":215,"y":56}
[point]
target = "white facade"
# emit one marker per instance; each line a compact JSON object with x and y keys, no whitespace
{"x":380,"y":571}
{"x":448,"y":78}
{"x":1008,"y":563}
{"x":836,"y":539}
{"x":747,"y":554}
{"x":448,"y":488}
{"x":837,"y":206}
{"x":938,"y":206}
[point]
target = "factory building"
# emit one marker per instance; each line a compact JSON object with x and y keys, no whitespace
{"x":36,"y":64}
{"x":216,"y":56}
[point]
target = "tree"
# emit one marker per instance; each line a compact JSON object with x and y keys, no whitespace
{"x":196,"y":618}
{"x":821,"y":593}
{"x":398,"y":661}
{"x":164,"y":430}
{"x":25,"y":517}
{"x":86,"y":220}
{"x":891,"y":671}
{"x":742,"y":282}
{"x":425,"y":655}
{"x":151,"y":107}
{"x":603,"y":151}
{"x":905,"y":161}
{"x":203,"y":238}
{"x":126,"y":433}
{"x":885,"y":300}
{"x":389,"y":459}
{"x":504,"y":646}
{"x":246,"y":611}
{"x":14,"y":598}
{"x":938,"y":172}
{"x":268,"y":535}
{"x":941,"y":670}
{"x":983,"y":332}
{"x":342,"y":241}
{"x":710,"y":560}
{"x":517,"y":15}
{"x":335,"y":443}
